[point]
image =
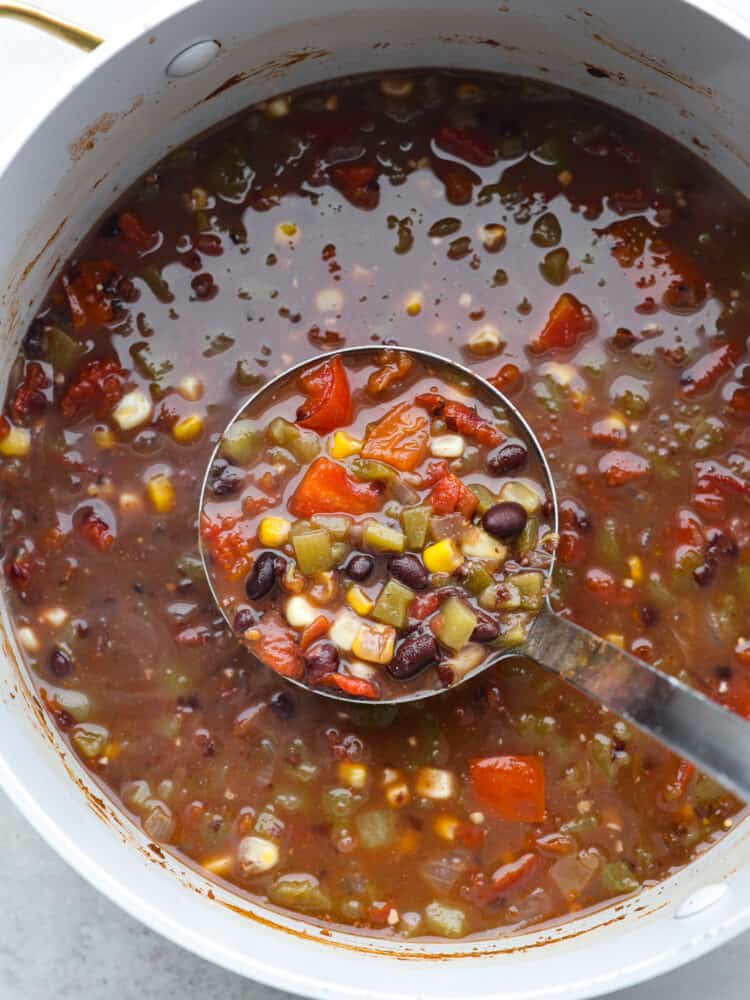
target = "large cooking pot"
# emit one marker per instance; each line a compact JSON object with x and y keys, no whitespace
{"x":682,"y":67}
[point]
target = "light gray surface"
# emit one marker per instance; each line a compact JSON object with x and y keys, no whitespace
{"x":59,"y":938}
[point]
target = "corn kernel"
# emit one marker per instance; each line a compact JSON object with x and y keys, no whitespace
{"x":343,"y":445}
{"x":442,"y":556}
{"x":256,"y":855}
{"x":395,"y":87}
{"x":104,"y":438}
{"x":16,"y":443}
{"x":220,"y":864}
{"x":352,"y":775}
{"x":286,"y":234}
{"x":485,"y":341}
{"x":133,"y":410}
{"x":493,"y":236}
{"x":188,"y":429}
{"x":273,"y":532}
{"x":397,"y":794}
{"x":190,"y":388}
{"x":435,"y":783}
{"x":414,"y":304}
{"x":375,"y":643}
{"x":636,"y":568}
{"x":300,"y":612}
{"x":161,"y":494}
{"x":445,"y":827}
{"x":54,"y":617}
{"x":358,"y":600}
{"x":27,"y":638}
{"x":364,"y":671}
{"x":279,"y":107}
{"x":616,"y":638}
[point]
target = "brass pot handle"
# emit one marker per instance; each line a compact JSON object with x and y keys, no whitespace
{"x":52,"y":24}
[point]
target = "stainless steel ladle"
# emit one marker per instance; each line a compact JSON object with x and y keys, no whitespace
{"x":715,"y":739}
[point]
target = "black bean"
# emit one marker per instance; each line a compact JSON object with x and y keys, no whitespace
{"x":505,"y":519}
{"x":225,"y":478}
{"x":414,"y":653}
{"x":409,"y":570}
{"x":322,"y":658}
{"x":703,"y":574}
{"x":282,"y":705}
{"x":486,"y":629}
{"x":262,"y":576}
{"x":649,"y":615}
{"x":35,"y":340}
{"x":511,"y":455}
{"x":359,"y":567}
{"x":243,"y":620}
{"x":60,"y":662}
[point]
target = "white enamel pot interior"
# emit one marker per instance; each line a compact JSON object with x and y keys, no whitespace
{"x":684,"y":68}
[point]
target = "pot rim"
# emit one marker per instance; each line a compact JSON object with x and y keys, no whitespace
{"x":149,"y":911}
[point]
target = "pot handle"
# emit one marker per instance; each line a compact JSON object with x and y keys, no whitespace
{"x":52,"y":24}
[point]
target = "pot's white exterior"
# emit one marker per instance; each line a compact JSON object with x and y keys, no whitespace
{"x":684,"y":68}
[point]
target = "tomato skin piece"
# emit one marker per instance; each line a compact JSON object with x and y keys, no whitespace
{"x":470,"y":144}
{"x":461,"y":418}
{"x":133,"y":231}
{"x":87,"y":300}
{"x":512,"y":786}
{"x":327,"y":488}
{"x":400,"y":438}
{"x":276,"y":646}
{"x":450,"y":495}
{"x":314,"y":631}
{"x":329,"y":398}
{"x":99,"y":386}
{"x":568,"y":321}
{"x":357,"y":687}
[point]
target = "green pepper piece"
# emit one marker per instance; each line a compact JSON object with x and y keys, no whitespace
{"x":190,"y":566}
{"x":376,"y":828}
{"x":146,"y":365}
{"x":581,"y":825}
{"x":529,"y":536}
{"x":606,"y":542}
{"x":455,"y":623}
{"x":339,"y":803}
{"x":304,"y":444}
{"x":415,"y":522}
{"x":617,"y":878}
{"x":383,"y":538}
{"x":313,"y":551}
{"x":546,"y":231}
{"x":477,"y":579}
{"x":245,"y":377}
{"x":530,"y":586}
{"x":370,"y":470}
{"x":743,"y":580}
{"x":485,"y":497}
{"x":153,"y":278}
{"x":445,"y":921}
{"x":337,"y":525}
{"x":241,"y":442}
{"x":61,"y":350}
{"x":554,"y":267}
{"x":300,"y":892}
{"x":217,"y":344}
{"x":89,"y":739}
{"x":392,"y":604}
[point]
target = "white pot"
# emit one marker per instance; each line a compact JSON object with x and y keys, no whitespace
{"x":683,"y":67}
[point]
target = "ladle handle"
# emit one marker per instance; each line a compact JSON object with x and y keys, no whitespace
{"x":716,"y":740}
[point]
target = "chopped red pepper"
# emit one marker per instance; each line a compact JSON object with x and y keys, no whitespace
{"x":276,"y":645}
{"x":513,"y":787}
{"x":89,"y":300}
{"x":461,"y":418}
{"x":392,"y":367}
{"x":357,"y":687}
{"x":450,"y":495}
{"x":329,"y":398}
{"x":229,"y":544}
{"x":509,"y":874}
{"x":703,"y":375}
{"x":327,"y":488}
{"x":30,"y":393}
{"x":94,"y":529}
{"x":400,"y":438}
{"x":470,"y":144}
{"x":621,"y":467}
{"x":712,"y":476}
{"x":98,"y":387}
{"x":507,"y":379}
{"x":132,"y":229}
{"x":568,"y":321}
{"x":314,"y":631}
{"x":358,"y":183}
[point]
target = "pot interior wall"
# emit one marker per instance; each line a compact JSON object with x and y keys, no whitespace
{"x":125,"y":115}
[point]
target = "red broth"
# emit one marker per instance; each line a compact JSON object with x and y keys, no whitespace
{"x":591,"y":268}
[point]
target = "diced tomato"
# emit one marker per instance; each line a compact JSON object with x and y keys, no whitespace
{"x":714,"y":477}
{"x":401,"y":438}
{"x":132,"y":229}
{"x":621,"y":467}
{"x":392,"y":367}
{"x":512,"y":786}
{"x":276,"y":645}
{"x":356,"y":687}
{"x":450,"y":495}
{"x":739,"y":402}
{"x":358,"y":183}
{"x":470,"y":144}
{"x":459,"y":181}
{"x":254,"y":505}
{"x":703,"y":375}
{"x":327,"y":488}
{"x":461,"y":418}
{"x":568,"y":321}
{"x":89,"y":301}
{"x":30,"y":394}
{"x":571,"y":549}
{"x":507,"y":379}
{"x":329,"y":398}
{"x":314,"y":631}
{"x":230,"y":542}
{"x":99,"y":387}
{"x":94,"y":529}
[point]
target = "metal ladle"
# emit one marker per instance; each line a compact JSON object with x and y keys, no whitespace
{"x":715,"y":739}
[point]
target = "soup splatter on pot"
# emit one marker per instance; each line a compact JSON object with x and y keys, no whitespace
{"x":592,"y":270}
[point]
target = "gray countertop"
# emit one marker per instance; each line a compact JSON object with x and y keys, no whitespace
{"x":61,"y":938}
